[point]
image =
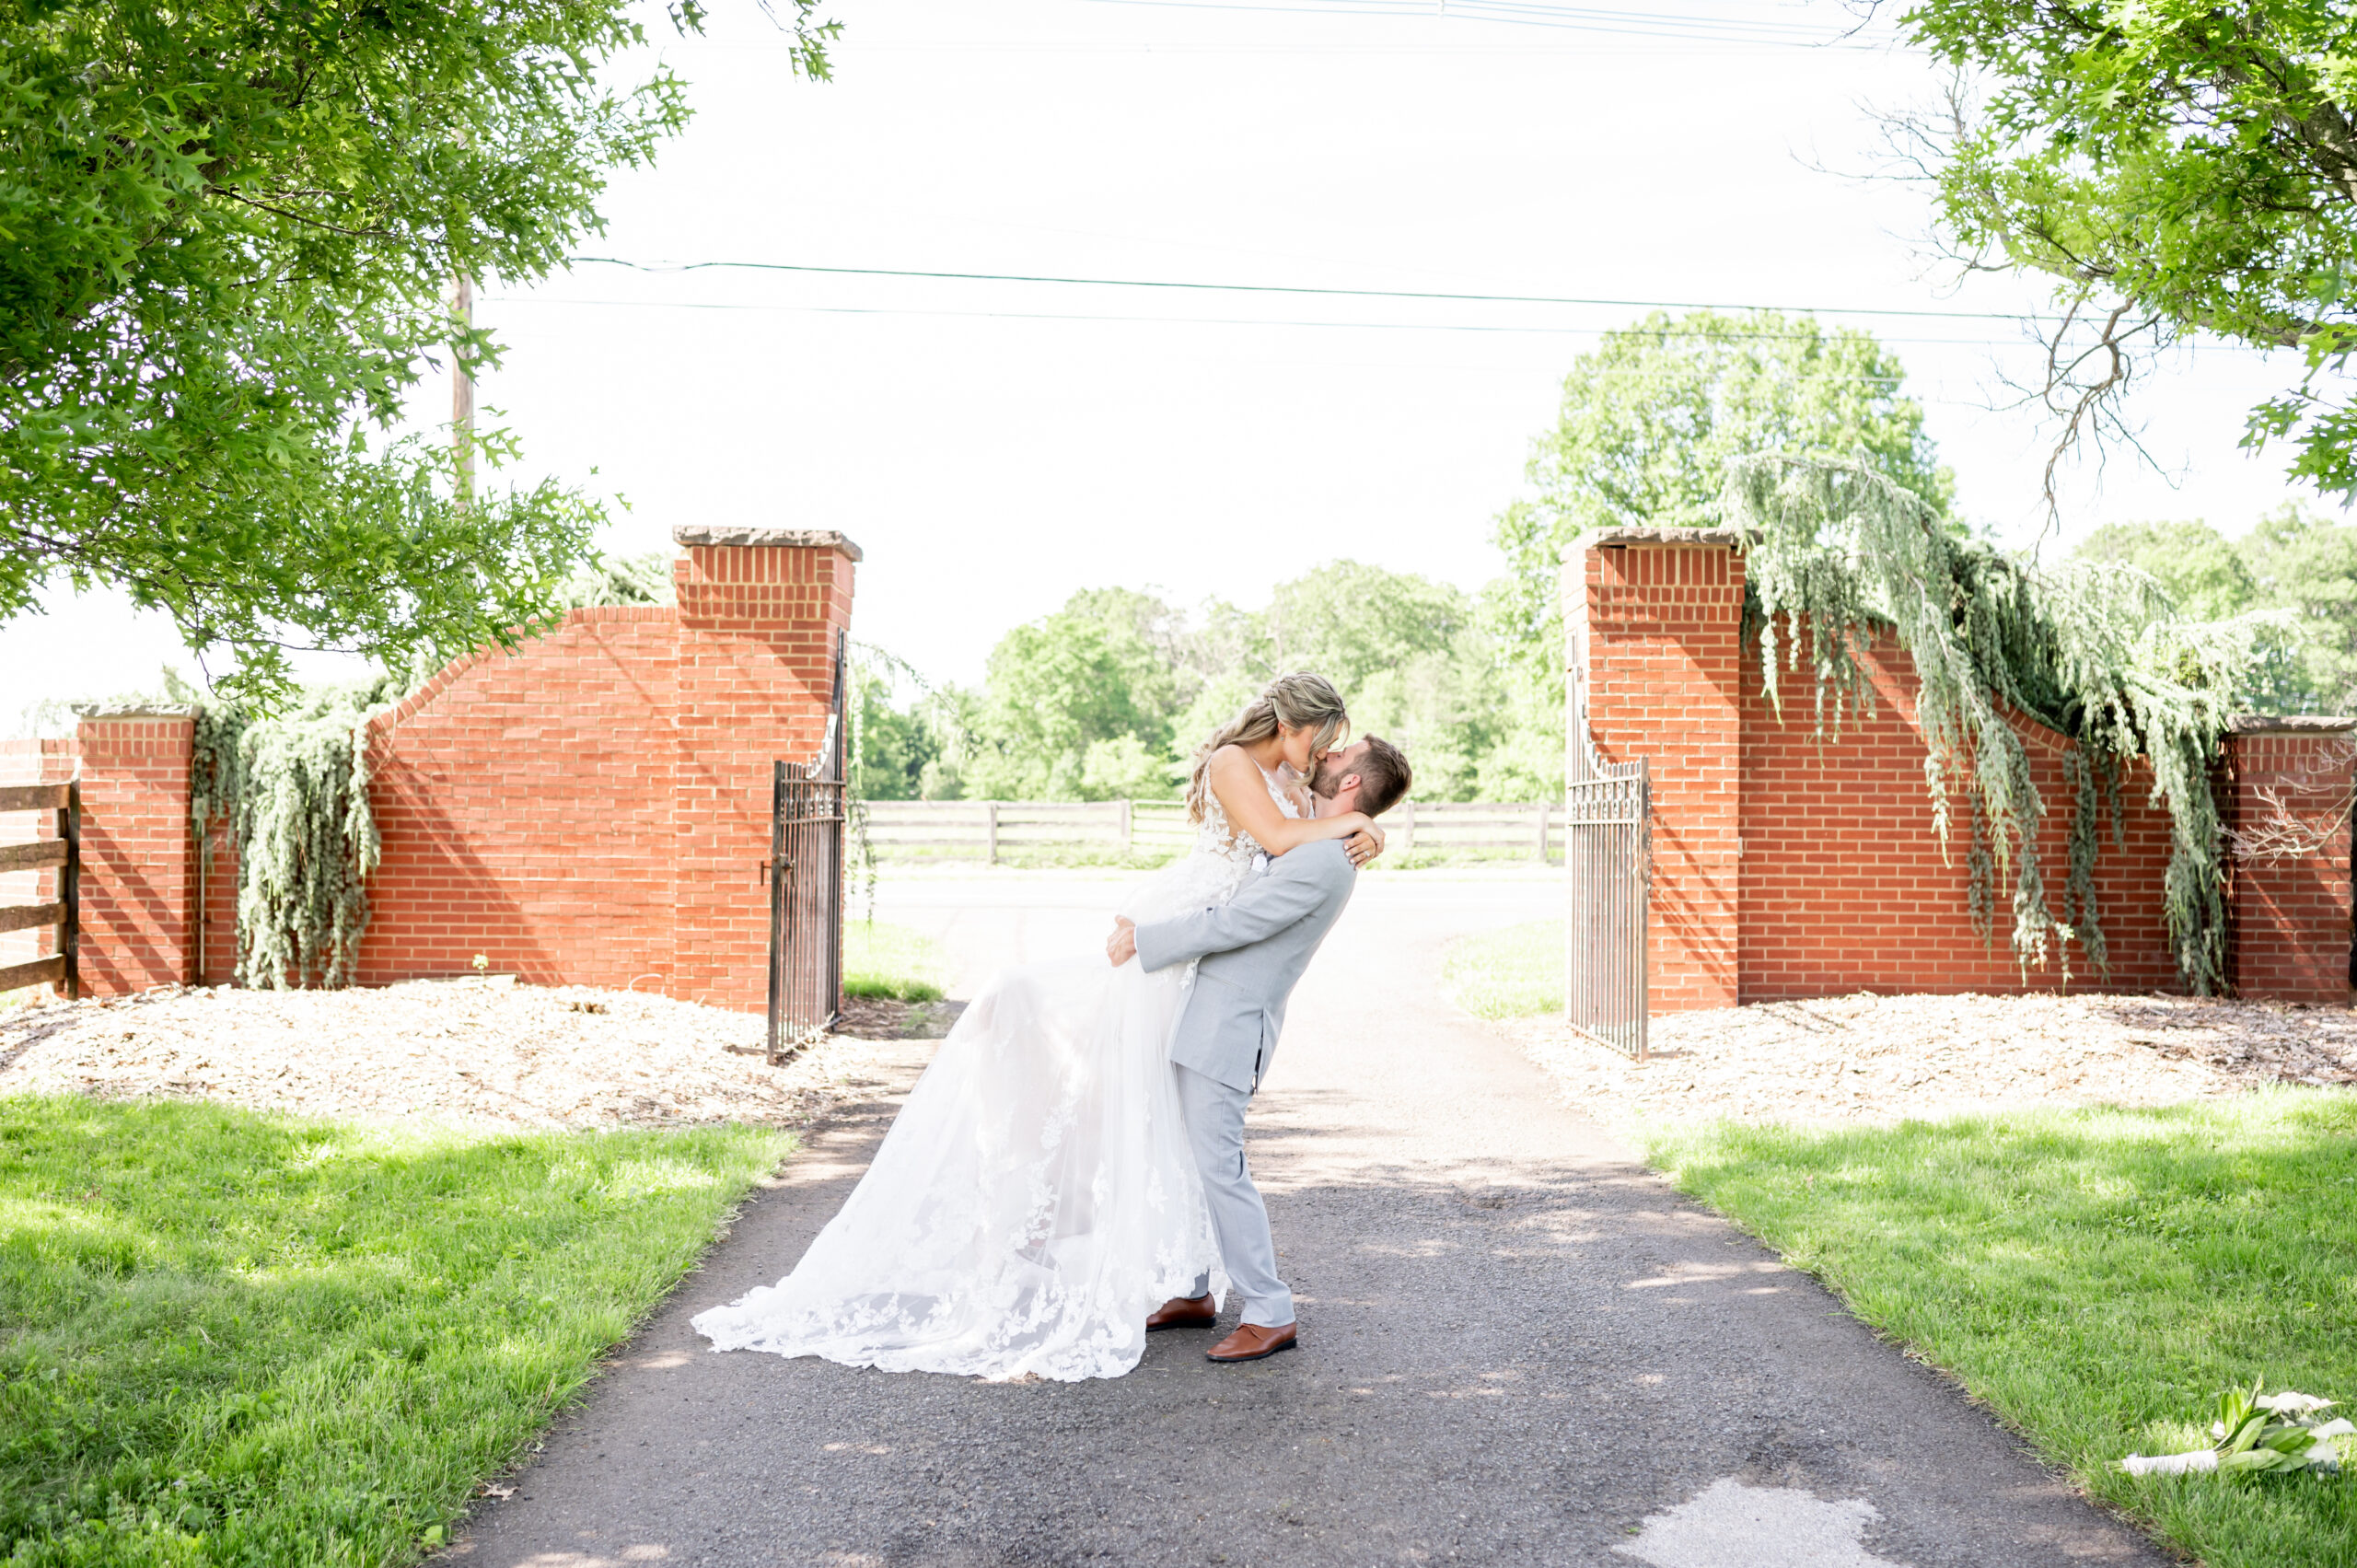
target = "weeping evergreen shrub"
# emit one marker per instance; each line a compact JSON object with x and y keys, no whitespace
{"x":292,"y":792}
{"x":1834,"y":553}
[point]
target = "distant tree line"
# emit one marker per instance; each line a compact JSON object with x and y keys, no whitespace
{"x":1107,"y":698}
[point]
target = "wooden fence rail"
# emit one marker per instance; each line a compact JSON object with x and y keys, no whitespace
{"x":992,"y":826}
{"x":63,"y":913}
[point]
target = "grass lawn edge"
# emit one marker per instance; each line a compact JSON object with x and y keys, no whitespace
{"x":256,"y":1337}
{"x":2171,"y":1352}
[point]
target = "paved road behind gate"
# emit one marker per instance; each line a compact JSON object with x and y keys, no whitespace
{"x":1518,"y":1347}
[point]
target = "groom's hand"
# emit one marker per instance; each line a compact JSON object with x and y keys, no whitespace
{"x":1122,"y":945}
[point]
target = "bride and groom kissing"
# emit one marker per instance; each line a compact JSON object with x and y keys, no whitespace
{"x":1068,"y":1175}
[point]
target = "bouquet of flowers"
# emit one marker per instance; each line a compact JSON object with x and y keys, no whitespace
{"x":2257,"y":1434}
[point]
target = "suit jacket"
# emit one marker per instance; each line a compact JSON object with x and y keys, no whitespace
{"x":1253,"y":949}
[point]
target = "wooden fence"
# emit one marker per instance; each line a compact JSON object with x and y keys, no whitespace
{"x":62,"y":914}
{"x":989,"y":828}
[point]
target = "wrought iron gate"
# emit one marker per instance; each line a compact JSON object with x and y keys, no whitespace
{"x":1607,"y":854}
{"x":806,"y":873}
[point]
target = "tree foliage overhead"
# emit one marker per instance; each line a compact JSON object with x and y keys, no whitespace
{"x":1651,"y":418}
{"x":1836,"y":551}
{"x":227,"y":236}
{"x":2174,"y":167}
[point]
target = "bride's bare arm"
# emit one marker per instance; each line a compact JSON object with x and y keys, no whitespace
{"x":1243,"y":794}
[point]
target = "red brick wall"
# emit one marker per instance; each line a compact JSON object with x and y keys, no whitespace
{"x":1785,"y":869}
{"x":524,"y":802}
{"x":2291,"y":912}
{"x":1844,"y":887}
{"x":592,"y":808}
{"x":1661,"y":623}
{"x":138,"y":865}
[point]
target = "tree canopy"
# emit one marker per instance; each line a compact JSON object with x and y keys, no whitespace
{"x":230,"y":234}
{"x":2174,"y":168}
{"x":2293,"y":560}
{"x":1650,"y":419}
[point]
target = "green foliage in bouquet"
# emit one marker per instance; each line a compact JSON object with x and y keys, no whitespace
{"x":2272,"y":1434}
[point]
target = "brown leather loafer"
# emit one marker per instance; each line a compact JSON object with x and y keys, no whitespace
{"x":1250,"y":1342}
{"x":1185,"y":1312}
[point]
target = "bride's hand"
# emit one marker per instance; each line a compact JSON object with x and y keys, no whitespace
{"x":1364,"y":844}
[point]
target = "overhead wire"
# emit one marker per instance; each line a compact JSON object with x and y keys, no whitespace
{"x":1682,"y":27}
{"x":1506,"y":329}
{"x":1191,"y":285}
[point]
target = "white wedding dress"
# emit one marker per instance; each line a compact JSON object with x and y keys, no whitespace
{"x":1035,"y":1199}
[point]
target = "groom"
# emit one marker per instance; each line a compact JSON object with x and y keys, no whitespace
{"x":1253,"y":949}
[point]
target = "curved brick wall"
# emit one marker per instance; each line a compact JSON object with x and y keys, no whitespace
{"x":593,"y":808}
{"x":1784,"y":868}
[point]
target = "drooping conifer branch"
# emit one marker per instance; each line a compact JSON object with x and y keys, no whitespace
{"x":1835,"y":553}
{"x":292,"y":790}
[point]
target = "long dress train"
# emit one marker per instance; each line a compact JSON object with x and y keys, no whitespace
{"x":1036,"y":1198}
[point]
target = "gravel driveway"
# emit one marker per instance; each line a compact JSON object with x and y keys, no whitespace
{"x":1518,"y":1347}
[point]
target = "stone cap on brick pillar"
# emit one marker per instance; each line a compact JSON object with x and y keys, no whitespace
{"x":707,"y":534}
{"x":1647,"y":535}
{"x":2289,"y":723}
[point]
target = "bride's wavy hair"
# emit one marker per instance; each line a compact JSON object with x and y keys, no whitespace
{"x":1299,"y":701}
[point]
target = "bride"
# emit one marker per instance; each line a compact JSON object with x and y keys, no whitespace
{"x":1035,"y":1199}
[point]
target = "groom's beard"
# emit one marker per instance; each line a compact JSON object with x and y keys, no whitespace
{"x":1326,"y":779}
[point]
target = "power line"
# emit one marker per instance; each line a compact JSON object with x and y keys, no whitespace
{"x":1288,"y":289}
{"x":1631,"y":24}
{"x":1211,"y":321}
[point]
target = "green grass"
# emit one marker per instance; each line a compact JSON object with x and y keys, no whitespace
{"x":231,"y":1337}
{"x":888,"y":960}
{"x":1509,"y":973}
{"x":2096,"y":1277}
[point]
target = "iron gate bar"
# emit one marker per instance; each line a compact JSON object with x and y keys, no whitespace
{"x":805,"y":905}
{"x":1607,"y":862}
{"x":806,"y":874}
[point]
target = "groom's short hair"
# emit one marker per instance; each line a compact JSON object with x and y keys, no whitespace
{"x":1383,"y":776}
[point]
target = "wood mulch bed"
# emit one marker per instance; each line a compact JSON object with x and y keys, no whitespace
{"x":475,"y":1051}
{"x":1883,"y":1059}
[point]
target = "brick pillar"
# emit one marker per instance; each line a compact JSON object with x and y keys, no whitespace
{"x":759,"y":612}
{"x":138,"y":865}
{"x":2285,"y":779}
{"x":1656,"y":620}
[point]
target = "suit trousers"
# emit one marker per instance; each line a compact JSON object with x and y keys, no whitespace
{"x":1215,"y":1115}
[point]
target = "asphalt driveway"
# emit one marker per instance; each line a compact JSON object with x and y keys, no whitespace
{"x":1518,"y":1346}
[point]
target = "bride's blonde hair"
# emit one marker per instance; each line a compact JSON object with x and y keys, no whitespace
{"x":1300,"y":701}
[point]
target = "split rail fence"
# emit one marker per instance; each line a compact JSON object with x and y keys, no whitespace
{"x":62,"y":914}
{"x":990,"y":829}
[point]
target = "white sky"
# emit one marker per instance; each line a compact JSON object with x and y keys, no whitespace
{"x":990,"y":462}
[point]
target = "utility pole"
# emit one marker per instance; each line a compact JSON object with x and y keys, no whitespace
{"x":462,"y":392}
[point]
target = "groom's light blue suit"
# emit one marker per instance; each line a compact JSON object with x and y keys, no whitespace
{"x":1253,"y":949}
